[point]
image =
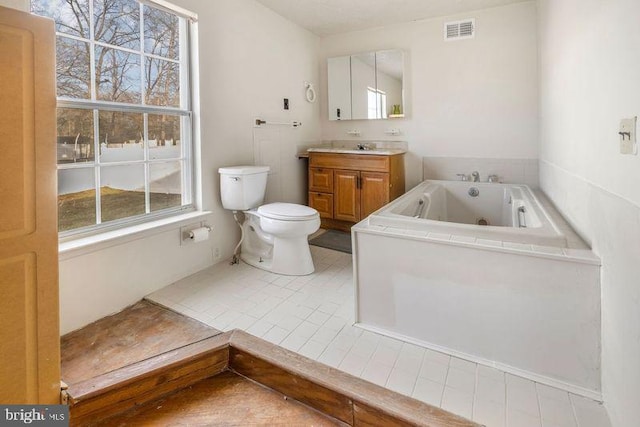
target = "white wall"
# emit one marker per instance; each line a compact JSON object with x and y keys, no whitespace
{"x":469,"y":98}
{"x":16,"y":4}
{"x":250,"y":59}
{"x":392,"y":87}
{"x":589,"y":68}
{"x":363,"y":77}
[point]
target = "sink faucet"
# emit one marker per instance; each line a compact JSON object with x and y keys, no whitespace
{"x":476,"y":176}
{"x":363,"y":147}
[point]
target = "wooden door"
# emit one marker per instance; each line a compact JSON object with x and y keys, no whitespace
{"x":29,"y":332}
{"x":346,"y":203}
{"x":374,"y":192}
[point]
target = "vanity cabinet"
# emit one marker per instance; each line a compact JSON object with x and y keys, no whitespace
{"x":346,"y":188}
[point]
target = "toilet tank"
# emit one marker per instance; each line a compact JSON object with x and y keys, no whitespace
{"x":243,"y":187}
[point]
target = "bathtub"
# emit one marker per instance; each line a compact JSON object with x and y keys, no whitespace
{"x":509,"y":294}
{"x":502,"y":212}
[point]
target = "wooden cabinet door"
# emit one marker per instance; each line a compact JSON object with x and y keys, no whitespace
{"x":321,"y":180}
{"x":30,"y":333}
{"x":346,"y":205}
{"x":323,"y":203}
{"x":374,"y":191}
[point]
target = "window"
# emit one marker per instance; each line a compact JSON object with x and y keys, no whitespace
{"x":376,"y":104}
{"x":124,"y":112}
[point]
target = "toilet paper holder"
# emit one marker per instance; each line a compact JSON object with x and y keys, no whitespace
{"x":194,"y":233}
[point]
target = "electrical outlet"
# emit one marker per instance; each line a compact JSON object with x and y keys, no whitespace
{"x":628,"y":136}
{"x":286,"y":103}
{"x":216,"y":254}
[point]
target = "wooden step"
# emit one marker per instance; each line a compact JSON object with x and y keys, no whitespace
{"x":333,"y":393}
{"x":137,"y":333}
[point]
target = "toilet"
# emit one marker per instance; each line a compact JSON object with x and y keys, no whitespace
{"x":275,"y":235}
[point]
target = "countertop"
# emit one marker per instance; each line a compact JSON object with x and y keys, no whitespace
{"x":373,"y":152}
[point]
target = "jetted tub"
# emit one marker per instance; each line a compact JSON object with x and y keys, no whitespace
{"x":508,"y":294}
{"x":503,"y":212}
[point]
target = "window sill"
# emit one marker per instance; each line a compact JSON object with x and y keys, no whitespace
{"x":78,"y":247}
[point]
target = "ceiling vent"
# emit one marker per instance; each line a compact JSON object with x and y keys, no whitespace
{"x":460,"y":30}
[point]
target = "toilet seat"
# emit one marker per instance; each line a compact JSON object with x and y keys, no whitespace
{"x":287,"y":212}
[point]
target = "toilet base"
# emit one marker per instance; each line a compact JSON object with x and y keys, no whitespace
{"x":289,"y":256}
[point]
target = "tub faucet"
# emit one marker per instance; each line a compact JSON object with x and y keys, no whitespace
{"x":476,"y":176}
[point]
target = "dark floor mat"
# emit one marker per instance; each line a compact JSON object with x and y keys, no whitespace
{"x":333,"y":239}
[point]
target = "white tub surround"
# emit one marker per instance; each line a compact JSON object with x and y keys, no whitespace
{"x":524,"y":307}
{"x":509,"y":213}
{"x":522,"y":171}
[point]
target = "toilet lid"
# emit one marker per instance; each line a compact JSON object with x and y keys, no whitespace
{"x":287,"y":211}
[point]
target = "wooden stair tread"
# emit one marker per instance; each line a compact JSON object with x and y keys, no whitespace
{"x":137,"y":333}
{"x":333,"y":393}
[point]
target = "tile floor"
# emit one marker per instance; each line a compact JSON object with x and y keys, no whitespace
{"x":313,"y":315}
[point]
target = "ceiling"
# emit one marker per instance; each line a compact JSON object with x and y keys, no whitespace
{"x":327,"y":17}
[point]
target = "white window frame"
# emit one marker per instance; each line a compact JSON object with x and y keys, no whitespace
{"x":379,"y":98}
{"x":187,"y":113}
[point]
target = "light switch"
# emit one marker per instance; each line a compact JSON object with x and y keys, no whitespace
{"x":627,"y":135}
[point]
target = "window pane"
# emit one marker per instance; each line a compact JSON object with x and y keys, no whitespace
{"x":121,"y":136}
{"x":164,"y":137}
{"x":163,"y":82}
{"x":117,"y":22}
{"x":76,"y":198}
{"x":161,"y":33}
{"x":75,"y":136}
{"x":121,"y":191}
{"x":72,"y":68}
{"x":117,"y":75}
{"x":165,"y":185}
{"x":71,"y":16}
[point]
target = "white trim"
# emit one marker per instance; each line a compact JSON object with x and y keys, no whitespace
{"x":171,"y":8}
{"x":186,"y":160}
{"x":78,"y":247}
{"x":86,"y":104}
{"x":552,"y":382}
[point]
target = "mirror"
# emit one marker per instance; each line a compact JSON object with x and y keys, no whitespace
{"x":366,"y":86}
